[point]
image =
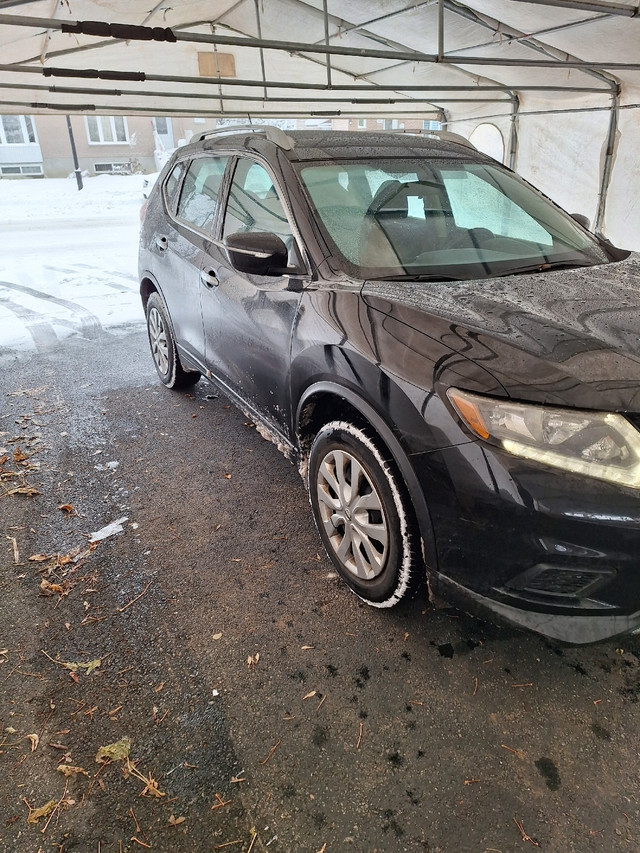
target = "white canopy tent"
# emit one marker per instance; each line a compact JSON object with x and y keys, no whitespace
{"x":559,"y":79}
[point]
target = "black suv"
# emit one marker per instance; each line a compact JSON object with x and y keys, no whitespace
{"x":451,"y":360}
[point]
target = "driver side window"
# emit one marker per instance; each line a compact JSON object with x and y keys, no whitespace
{"x":254,"y":204}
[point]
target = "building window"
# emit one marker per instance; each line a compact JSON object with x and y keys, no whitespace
{"x":103,"y":130}
{"x":17,"y":130}
{"x":112,"y":168}
{"x":431,"y":125}
{"x":362,"y":123}
{"x":21,"y":170}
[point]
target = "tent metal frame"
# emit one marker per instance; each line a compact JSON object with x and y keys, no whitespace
{"x":363,"y":93}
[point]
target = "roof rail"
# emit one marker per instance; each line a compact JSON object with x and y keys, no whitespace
{"x":272,"y":133}
{"x":444,"y":135}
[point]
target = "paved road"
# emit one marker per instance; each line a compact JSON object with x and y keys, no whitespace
{"x":272,"y":709}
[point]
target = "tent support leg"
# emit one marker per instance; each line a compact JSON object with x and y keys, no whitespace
{"x":607,"y":166}
{"x":513,"y":131}
{"x":440,"y":30}
{"x":325,"y":11}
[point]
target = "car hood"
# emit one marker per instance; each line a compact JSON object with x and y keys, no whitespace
{"x":564,"y":337}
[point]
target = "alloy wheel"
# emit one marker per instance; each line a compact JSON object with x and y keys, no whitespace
{"x":352,"y":514}
{"x":158,"y":340}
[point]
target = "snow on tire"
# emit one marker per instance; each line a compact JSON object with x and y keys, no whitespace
{"x":363,"y":515}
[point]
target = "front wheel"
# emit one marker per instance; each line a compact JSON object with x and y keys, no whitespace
{"x":363,"y":515}
{"x":163,"y":347}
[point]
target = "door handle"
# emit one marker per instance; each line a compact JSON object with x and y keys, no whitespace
{"x":209,"y":278}
{"x":162,"y":243}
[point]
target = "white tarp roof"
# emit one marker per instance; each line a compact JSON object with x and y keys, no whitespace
{"x":559,"y":78}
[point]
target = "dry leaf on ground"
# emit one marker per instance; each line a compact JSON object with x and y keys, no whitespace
{"x":70,"y":770}
{"x":116,"y":751}
{"x":45,"y":810}
{"x":51,"y":588}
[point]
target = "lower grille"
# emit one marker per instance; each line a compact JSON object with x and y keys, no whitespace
{"x":558,"y":581}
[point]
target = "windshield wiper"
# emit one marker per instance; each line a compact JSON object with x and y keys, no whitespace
{"x":416,"y":277}
{"x":549,"y":265}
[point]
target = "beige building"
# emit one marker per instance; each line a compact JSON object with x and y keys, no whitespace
{"x":33,"y":146}
{"x":40,"y":146}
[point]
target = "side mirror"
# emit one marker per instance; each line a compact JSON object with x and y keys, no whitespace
{"x":257,"y":253}
{"x":581,"y":219}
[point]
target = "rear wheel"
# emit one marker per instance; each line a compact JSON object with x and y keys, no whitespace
{"x":363,"y":515}
{"x":163,"y":347}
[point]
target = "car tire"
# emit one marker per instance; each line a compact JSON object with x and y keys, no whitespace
{"x":163,"y":347}
{"x":363,"y":514}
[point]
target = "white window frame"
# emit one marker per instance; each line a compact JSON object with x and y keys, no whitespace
{"x":25,"y":132}
{"x":112,"y":122}
{"x":29,"y":170}
{"x":362,"y":124}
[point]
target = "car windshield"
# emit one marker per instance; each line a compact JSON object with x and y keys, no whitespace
{"x":440,"y":219}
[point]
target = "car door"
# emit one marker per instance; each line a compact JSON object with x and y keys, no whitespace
{"x":248,"y":319}
{"x":180,"y":243}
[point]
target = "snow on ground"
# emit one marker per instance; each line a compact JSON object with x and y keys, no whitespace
{"x":68,"y":260}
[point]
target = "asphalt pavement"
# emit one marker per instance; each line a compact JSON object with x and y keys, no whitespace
{"x":164,"y":595}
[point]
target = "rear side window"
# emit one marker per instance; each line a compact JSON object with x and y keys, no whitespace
{"x":171,"y":186}
{"x":200,"y":191}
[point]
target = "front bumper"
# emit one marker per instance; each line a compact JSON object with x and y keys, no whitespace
{"x":550,"y":551}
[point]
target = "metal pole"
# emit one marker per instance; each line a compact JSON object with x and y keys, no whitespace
{"x":326,"y":40}
{"x":513,"y":132}
{"x":607,"y":166}
{"x":76,"y":165}
{"x":128,"y":32}
{"x":262,"y":67}
{"x":590,"y":6}
{"x":77,"y":73}
{"x":440,"y":30}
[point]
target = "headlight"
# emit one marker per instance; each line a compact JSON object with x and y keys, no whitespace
{"x":596,"y":444}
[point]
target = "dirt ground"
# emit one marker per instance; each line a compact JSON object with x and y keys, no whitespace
{"x":254,"y":703}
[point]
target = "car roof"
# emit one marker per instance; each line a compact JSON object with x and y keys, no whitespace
{"x":305,"y":145}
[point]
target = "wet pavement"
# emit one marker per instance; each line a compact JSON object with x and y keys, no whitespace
{"x":267,"y":709}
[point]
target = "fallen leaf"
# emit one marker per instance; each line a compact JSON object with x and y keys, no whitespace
{"x":252,"y":660}
{"x":217,"y":636}
{"x":35,"y":740}
{"x":51,"y":588}
{"x":74,"y":666}
{"x":305,"y":648}
{"x":23,"y":490}
{"x":227,"y":476}
{"x":43,"y":811}
{"x":66,"y":507}
{"x":176,"y":821}
{"x":70,"y":770}
{"x":18,"y":455}
{"x":114,"y":751}
{"x":38,"y":558}
{"x":309,"y":695}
